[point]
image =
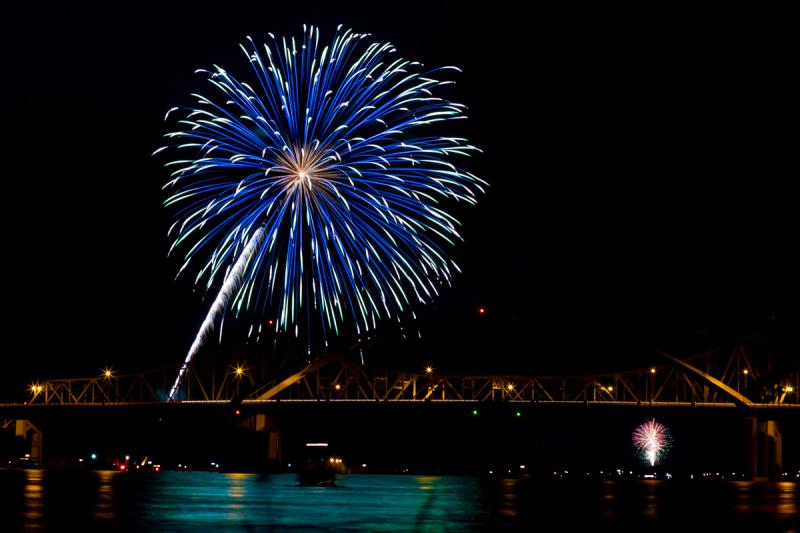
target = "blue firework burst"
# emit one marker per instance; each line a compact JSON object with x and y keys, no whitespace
{"x":310,"y":188}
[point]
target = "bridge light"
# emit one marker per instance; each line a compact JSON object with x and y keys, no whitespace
{"x":745,"y":371}
{"x":108,"y":373}
{"x":237,"y":412}
{"x":429,"y":370}
{"x":788,"y":388}
{"x":481,"y":310}
{"x":337,"y":387}
{"x":510,"y":386}
{"x":519,"y":414}
{"x":239,"y":370}
{"x":36,"y":389}
{"x":475,"y":412}
{"x":653,"y":370}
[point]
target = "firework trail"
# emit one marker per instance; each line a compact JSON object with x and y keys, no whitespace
{"x":652,"y":440}
{"x":232,"y":282}
{"x":311,"y":190}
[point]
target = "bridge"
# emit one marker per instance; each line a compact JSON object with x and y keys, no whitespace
{"x":716,"y":378}
{"x":731,"y":379}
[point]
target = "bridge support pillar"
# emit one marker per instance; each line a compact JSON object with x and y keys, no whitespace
{"x":33,"y":436}
{"x":764,"y":449}
{"x":265,"y":425}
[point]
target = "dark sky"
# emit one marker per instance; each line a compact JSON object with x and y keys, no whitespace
{"x":640,"y":160}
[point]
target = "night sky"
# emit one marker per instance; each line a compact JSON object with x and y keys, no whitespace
{"x":641,"y":169}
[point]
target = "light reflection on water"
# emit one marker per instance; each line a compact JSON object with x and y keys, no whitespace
{"x":651,"y":503}
{"x":34,"y":506}
{"x":36,"y":500}
{"x":104,"y":500}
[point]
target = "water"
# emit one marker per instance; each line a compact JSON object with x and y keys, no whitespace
{"x":36,"y":500}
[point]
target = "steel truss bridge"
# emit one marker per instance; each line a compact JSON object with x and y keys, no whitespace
{"x":717,"y":378}
{"x":764,"y":395}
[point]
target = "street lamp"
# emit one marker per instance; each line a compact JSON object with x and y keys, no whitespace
{"x":238,"y":372}
{"x":36,"y":389}
{"x":652,"y":383}
{"x":745,"y":373}
{"x":787,"y":389}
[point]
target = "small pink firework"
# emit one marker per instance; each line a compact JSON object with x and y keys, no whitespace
{"x":652,"y":440}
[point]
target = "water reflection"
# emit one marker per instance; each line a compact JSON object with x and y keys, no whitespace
{"x":787,"y":499}
{"x":508,"y":500}
{"x":33,"y":510}
{"x":609,"y":496}
{"x":237,"y":490}
{"x":37,"y":500}
{"x":104,"y":500}
{"x":650,"y":507}
{"x":428,"y":504}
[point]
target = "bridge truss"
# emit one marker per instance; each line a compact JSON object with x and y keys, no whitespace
{"x":715,"y":378}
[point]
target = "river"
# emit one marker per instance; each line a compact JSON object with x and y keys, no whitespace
{"x":38,"y":500}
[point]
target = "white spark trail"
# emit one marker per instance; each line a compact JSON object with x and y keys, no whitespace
{"x":230,"y":286}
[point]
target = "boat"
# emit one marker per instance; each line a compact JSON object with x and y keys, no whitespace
{"x":316,"y":474}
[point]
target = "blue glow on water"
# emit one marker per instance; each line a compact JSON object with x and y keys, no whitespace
{"x":86,"y":501}
{"x":203,"y":501}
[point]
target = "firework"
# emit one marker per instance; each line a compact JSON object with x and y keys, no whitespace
{"x":652,"y":440}
{"x":310,"y":189}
